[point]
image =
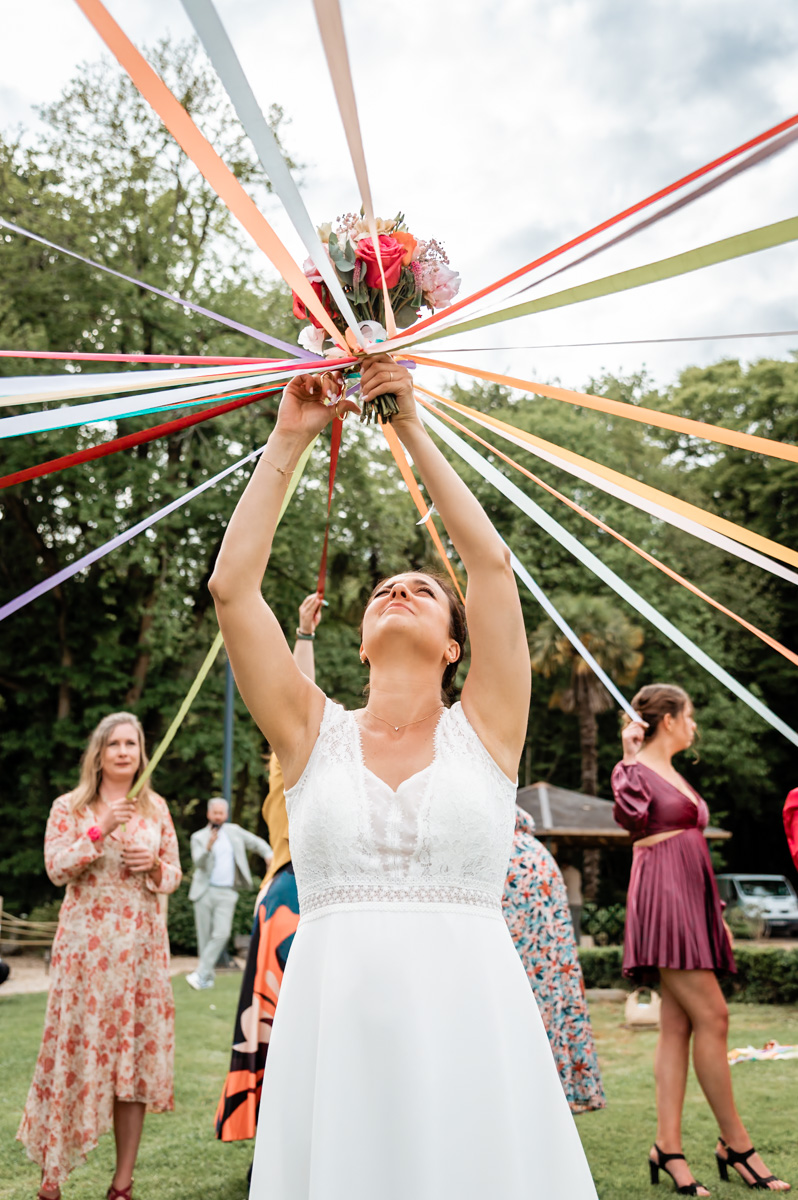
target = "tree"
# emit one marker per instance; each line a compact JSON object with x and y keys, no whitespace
{"x":615,"y":644}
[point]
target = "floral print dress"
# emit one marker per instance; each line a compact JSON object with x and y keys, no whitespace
{"x":535,"y":908}
{"x":109,"y":1027}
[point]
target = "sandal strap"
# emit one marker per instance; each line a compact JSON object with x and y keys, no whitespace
{"x":115,"y":1193}
{"x":663,"y":1157}
{"x":733,"y":1157}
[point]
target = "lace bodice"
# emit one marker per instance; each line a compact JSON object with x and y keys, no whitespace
{"x":442,"y":838}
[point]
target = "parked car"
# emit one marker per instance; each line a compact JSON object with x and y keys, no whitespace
{"x":769,"y":901}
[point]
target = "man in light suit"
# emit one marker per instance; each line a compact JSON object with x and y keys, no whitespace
{"x":219,"y":853}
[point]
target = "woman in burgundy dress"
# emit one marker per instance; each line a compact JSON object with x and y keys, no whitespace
{"x":675,"y":932}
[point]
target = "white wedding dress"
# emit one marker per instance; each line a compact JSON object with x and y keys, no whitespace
{"x":408,"y":1060}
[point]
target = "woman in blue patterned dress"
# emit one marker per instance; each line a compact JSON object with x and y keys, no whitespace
{"x":535,"y":907}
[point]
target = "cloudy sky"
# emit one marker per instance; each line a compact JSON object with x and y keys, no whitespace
{"x":503,"y":129}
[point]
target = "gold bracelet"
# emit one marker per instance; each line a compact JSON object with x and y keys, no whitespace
{"x":286,"y":474}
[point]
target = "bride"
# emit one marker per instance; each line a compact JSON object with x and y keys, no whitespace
{"x":408,"y":1060}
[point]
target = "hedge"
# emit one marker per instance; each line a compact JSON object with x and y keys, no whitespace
{"x":764,"y":976}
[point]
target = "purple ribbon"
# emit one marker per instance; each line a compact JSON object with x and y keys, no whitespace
{"x":294,"y":351}
{"x":52,"y":581}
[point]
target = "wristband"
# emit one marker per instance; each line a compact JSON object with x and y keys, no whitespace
{"x":305,"y":637}
{"x":95,"y":833}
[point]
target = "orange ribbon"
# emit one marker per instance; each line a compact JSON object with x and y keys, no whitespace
{"x":617,"y":408}
{"x":205,"y":158}
{"x":398,"y":451}
{"x":728,"y":528}
{"x":765,"y":637}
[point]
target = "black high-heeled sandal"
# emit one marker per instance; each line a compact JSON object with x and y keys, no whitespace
{"x":733,"y":1157}
{"x":687,"y":1189}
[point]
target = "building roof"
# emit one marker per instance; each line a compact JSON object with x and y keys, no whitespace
{"x":563,"y":814}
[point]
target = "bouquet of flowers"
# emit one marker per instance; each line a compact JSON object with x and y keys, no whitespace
{"x":417,"y":274}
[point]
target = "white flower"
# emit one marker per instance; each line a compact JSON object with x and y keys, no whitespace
{"x":311,"y":338}
{"x":439,"y":283}
{"x":311,"y":270}
{"x":373,"y":332}
{"x":324,"y":232}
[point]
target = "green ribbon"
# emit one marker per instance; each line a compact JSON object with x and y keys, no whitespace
{"x":665,"y":268}
{"x":210,"y":657}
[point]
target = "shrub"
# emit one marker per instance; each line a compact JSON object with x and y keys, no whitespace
{"x":768,"y":976}
{"x":182,"y":930}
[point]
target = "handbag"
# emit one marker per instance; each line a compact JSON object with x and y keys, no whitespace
{"x":642,"y":1014}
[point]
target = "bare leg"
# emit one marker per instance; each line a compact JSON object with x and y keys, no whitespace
{"x":670,"y":1072}
{"x":128,"y":1124}
{"x":699,"y":994}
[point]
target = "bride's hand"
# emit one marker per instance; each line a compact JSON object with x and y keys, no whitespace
{"x":381,"y":376}
{"x":310,"y":402}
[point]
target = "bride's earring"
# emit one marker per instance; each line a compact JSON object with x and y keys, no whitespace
{"x":363,"y":658}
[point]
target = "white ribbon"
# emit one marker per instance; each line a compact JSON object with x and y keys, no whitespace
{"x":131,"y":406}
{"x":727,"y":544}
{"x":219,"y":49}
{"x":588,"y":559}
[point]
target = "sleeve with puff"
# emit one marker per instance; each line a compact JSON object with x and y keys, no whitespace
{"x":632,"y":797}
{"x":67,"y":851}
{"x":168,"y":854}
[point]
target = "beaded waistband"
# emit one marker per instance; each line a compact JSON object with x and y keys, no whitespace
{"x":407,"y":896}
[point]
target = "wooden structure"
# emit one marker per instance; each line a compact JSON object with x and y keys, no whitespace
{"x":581,"y":822}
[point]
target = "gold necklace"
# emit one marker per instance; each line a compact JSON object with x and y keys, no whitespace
{"x":407,"y":724}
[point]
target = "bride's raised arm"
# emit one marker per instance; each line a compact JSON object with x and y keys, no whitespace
{"x":496,"y":693}
{"x":285,"y":704}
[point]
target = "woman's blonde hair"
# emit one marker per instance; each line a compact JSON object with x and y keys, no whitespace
{"x":91,"y":765}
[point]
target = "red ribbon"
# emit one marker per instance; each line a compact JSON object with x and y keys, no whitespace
{"x":131,"y":439}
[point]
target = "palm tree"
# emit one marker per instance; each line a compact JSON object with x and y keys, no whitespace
{"x":615,"y":644}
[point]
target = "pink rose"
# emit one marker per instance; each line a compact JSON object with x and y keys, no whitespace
{"x":439,"y":283}
{"x":391,"y":252}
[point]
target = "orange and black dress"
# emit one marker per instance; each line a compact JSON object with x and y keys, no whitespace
{"x":276,"y":919}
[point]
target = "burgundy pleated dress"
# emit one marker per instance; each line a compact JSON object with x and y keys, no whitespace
{"x":673,"y":911}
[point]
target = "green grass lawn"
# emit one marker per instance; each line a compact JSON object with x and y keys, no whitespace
{"x":181,"y":1160}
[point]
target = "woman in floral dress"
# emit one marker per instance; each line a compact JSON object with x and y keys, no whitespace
{"x":535,"y":907}
{"x":108,"y":1045}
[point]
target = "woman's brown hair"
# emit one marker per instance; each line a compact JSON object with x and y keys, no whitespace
{"x":654,"y":701}
{"x":458,"y":631}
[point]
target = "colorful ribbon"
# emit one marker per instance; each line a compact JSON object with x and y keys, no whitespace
{"x":750,"y":242}
{"x":631,"y":412}
{"x":579,"y":646}
{"x":331,"y":28}
{"x":446,"y":313}
{"x":205,"y":158}
{"x":86,"y":560}
{"x":208,"y":360}
{"x":594,"y":564}
{"x":651,"y":499}
{"x":125,"y":443}
{"x":210,"y":657}
{"x":400,"y":457}
{"x":39,"y":389}
{"x":294,"y":351}
{"x":753,"y":160}
{"x":113,"y":410}
{"x":335,"y":449}
{"x":702,"y":337}
{"x":219,"y":49}
{"x":649,"y":558}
